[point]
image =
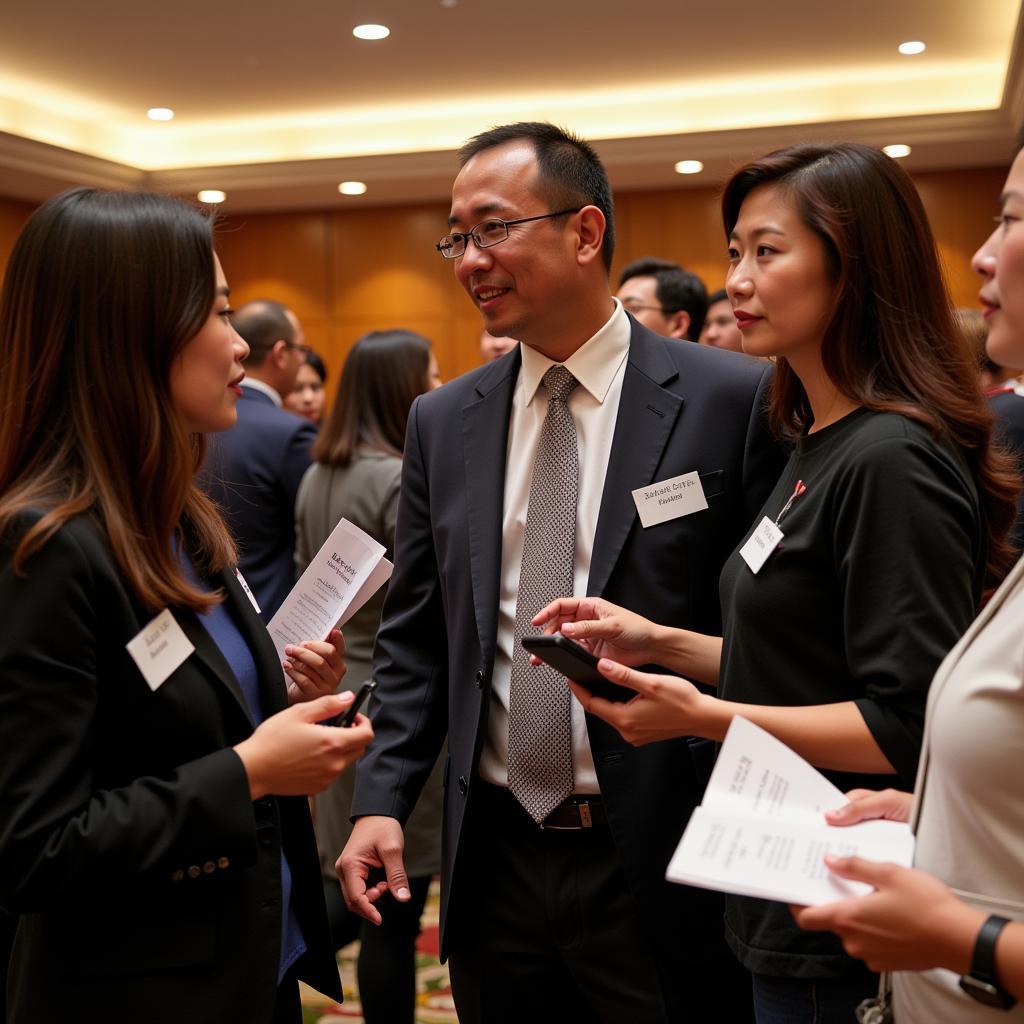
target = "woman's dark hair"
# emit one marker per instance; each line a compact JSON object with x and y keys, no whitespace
{"x":102,"y":293}
{"x":319,"y":367}
{"x":383,"y":373}
{"x":891,"y":343}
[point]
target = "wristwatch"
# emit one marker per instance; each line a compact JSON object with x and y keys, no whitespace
{"x":980,"y":983}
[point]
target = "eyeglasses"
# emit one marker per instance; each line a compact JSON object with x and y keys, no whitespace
{"x":487,"y":233}
{"x":304,"y":349}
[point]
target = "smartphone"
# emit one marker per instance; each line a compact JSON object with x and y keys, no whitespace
{"x":348,"y":717}
{"x":576,"y":663}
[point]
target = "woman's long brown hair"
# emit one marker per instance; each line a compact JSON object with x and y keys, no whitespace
{"x":383,"y":374}
{"x":891,"y":343}
{"x":102,"y":292}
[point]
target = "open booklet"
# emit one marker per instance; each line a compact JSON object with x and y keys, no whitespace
{"x":761,"y":829}
{"x":347,"y":570}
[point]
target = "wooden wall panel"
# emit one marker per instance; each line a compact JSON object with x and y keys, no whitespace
{"x":13,"y":214}
{"x":345,"y":272}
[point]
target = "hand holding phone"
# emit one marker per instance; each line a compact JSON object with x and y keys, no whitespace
{"x":576,"y":663}
{"x":348,"y":717}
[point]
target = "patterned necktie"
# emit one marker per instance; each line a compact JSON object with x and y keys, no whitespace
{"x":540,"y":771}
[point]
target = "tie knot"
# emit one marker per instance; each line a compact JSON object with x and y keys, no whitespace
{"x":559,"y":383}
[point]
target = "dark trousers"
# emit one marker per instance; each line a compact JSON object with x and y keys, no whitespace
{"x":811,"y":1001}
{"x":545,"y":920}
{"x":386,"y":968}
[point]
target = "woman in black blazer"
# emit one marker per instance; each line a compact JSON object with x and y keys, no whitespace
{"x":155,"y":838}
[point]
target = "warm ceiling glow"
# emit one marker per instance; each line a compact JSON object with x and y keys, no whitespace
{"x":912,"y":46}
{"x":897,"y":151}
{"x":160,"y":114}
{"x":689,"y":167}
{"x":352,"y":188}
{"x":211,"y":195}
{"x":371,"y":31}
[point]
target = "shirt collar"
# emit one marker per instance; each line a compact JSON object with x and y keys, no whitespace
{"x":261,"y":385}
{"x":594,"y":364}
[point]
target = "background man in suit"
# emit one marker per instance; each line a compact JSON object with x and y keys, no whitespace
{"x":254,"y":469}
{"x":567,"y":903}
{"x":662,"y":296}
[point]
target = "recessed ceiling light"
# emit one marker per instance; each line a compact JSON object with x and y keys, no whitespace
{"x":689,"y":167}
{"x":912,"y":46}
{"x":897,"y":151}
{"x":160,"y":114}
{"x":211,"y":195}
{"x":371,"y":31}
{"x":352,"y":188}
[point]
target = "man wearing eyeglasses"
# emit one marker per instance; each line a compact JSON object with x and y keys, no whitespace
{"x":661,"y":295}
{"x":518,"y":481}
{"x":254,"y":469}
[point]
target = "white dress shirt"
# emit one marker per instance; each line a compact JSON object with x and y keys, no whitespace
{"x":599,"y":366}
{"x":261,"y":385}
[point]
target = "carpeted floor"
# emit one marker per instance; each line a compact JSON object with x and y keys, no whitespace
{"x":433,"y":990}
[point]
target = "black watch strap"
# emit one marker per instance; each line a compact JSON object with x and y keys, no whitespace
{"x":981,"y":983}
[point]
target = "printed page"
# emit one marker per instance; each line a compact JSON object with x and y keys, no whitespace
{"x":779,"y":860}
{"x":334,"y":586}
{"x":761,"y":830}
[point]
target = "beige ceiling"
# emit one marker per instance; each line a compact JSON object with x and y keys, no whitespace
{"x":277,"y":102}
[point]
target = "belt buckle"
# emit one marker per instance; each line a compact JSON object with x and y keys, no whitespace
{"x":586,"y":819}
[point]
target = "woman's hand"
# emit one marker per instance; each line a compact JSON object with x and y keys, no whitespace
{"x":664,"y":706}
{"x":912,"y":922}
{"x":290,"y":754}
{"x":605,"y":629}
{"x":869,"y":804}
{"x":315,"y":668}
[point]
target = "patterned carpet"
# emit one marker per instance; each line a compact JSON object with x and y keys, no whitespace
{"x":433,"y":990}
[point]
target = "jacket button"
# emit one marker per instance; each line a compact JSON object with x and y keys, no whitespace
{"x":463,"y":785}
{"x":194,"y":871}
{"x":480,"y":678}
{"x":222,"y":862}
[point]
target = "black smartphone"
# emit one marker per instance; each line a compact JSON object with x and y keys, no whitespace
{"x":576,"y":663}
{"x":348,"y":717}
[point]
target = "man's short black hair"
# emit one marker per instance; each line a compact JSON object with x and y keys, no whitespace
{"x":568,"y":169}
{"x":262,"y":323}
{"x":720,"y":296}
{"x":676,"y":289}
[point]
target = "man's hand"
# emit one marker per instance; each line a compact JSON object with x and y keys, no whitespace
{"x":376,"y":842}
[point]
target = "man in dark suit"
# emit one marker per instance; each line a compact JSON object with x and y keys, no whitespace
{"x":254,"y":469}
{"x":566,"y":907}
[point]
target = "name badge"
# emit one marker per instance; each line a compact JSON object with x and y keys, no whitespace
{"x":763,"y":541}
{"x":669,"y":499}
{"x":248,"y":593}
{"x":159,"y":648}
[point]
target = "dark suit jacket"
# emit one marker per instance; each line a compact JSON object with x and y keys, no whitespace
{"x":683,"y":408}
{"x":253,"y":471}
{"x":146,"y":878}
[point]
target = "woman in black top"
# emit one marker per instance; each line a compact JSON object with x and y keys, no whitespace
{"x":870,"y":557}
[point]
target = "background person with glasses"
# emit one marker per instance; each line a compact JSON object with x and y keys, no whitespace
{"x":670,"y":301}
{"x":516,"y":479}
{"x":253,"y":470}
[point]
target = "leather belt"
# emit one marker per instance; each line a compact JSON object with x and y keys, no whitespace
{"x":576,"y":812}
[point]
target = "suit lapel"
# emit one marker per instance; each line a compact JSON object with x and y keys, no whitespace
{"x":485,"y":439}
{"x":647,"y":414}
{"x":209,"y":655}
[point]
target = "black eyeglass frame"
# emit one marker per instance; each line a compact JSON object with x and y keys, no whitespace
{"x":471,"y":233}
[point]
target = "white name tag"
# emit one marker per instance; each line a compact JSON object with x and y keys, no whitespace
{"x":763,"y":541}
{"x":669,"y":499}
{"x":159,"y":648}
{"x":248,"y":593}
